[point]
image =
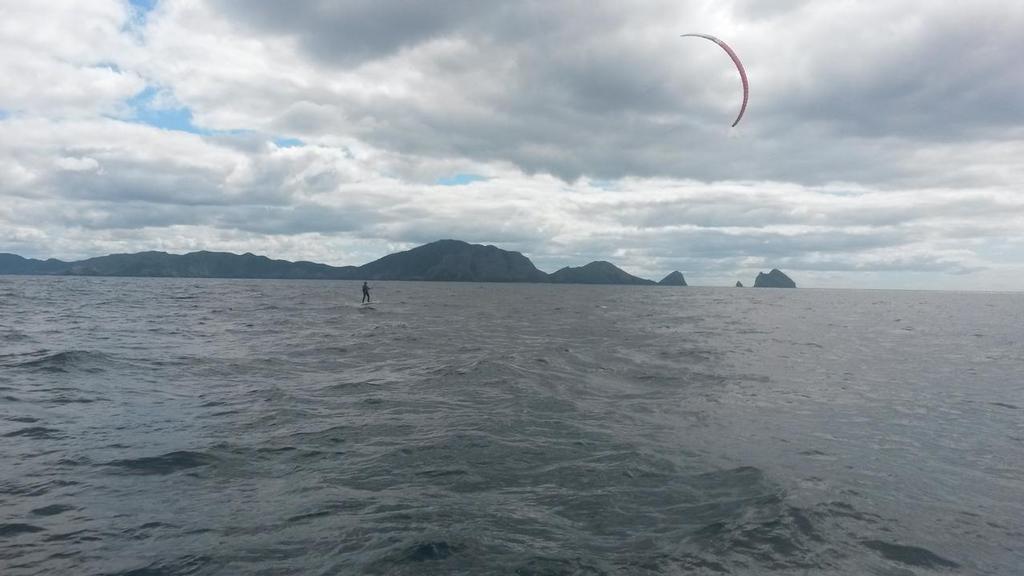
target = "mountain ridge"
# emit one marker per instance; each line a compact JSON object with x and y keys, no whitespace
{"x":441,"y":260}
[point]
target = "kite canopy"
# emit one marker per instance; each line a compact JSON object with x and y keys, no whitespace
{"x":739,"y":66}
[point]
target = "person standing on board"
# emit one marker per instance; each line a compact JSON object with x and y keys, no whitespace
{"x":366,"y":293}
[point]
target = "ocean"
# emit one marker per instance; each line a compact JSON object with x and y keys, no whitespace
{"x":196,"y":426}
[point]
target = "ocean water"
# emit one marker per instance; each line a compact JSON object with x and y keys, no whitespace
{"x":177,"y":426}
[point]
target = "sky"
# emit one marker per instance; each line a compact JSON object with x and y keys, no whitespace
{"x":883,"y":145}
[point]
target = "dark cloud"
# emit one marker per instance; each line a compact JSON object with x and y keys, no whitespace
{"x":777,"y":10}
{"x":349,"y":32}
{"x":946,"y":73}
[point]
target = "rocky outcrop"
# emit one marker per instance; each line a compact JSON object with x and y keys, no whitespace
{"x":739,"y":284}
{"x":773,"y":279}
{"x":674,"y":279}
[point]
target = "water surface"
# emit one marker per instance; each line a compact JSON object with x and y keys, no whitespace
{"x":176,"y":426}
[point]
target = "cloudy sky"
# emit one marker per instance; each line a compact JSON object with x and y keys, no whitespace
{"x":883,"y":145}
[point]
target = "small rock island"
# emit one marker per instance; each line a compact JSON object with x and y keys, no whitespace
{"x":674,"y":279}
{"x":774,"y":279}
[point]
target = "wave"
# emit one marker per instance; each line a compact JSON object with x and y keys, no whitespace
{"x":14,"y":336}
{"x":163,"y":464}
{"x":909,"y":555}
{"x":63,"y":361}
{"x":22,"y":419}
{"x":52,"y":510}
{"x":17,"y":529}
{"x":13,"y":488}
{"x":425,"y":551}
{"x":40,"y":432}
{"x":186,"y":565}
{"x":74,"y":537}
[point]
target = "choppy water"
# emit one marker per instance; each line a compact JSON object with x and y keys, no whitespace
{"x":153,"y":426}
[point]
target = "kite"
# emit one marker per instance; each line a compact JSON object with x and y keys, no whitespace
{"x":739,"y":66}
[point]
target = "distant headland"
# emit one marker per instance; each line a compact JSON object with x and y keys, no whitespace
{"x":443,"y":260}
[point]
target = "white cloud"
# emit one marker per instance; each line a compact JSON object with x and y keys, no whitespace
{"x":73,"y":164}
{"x":59,"y":58}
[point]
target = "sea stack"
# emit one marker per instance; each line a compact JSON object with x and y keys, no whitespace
{"x":773,"y":279}
{"x":674,"y":279}
{"x":739,"y":284}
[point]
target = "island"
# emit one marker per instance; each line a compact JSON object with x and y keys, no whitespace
{"x":599,"y":272}
{"x":453,"y":261}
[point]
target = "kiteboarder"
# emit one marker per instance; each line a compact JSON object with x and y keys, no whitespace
{"x":366,"y":293}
